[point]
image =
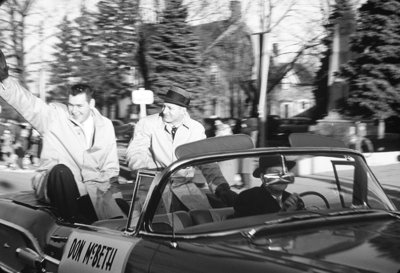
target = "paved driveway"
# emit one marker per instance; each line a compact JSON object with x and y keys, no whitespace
{"x":389,"y":176}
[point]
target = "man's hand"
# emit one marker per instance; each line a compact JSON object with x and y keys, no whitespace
{"x":3,"y":67}
{"x":292,"y":203}
{"x":224,"y":192}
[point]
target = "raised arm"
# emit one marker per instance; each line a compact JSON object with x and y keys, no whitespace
{"x":33,"y":109}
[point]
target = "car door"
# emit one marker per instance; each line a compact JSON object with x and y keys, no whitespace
{"x":174,"y":252}
{"x":20,"y":251}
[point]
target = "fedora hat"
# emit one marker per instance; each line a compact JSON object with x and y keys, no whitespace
{"x":268,"y":161}
{"x":178,"y":96}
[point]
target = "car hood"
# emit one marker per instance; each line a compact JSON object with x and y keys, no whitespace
{"x":359,"y":247}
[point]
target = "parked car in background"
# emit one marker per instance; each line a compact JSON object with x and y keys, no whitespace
{"x":123,"y":131}
{"x":347,"y":224}
{"x":294,"y":125}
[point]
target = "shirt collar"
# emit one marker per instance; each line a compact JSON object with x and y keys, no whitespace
{"x":89,"y":122}
{"x":88,"y":128}
{"x":185,"y":123}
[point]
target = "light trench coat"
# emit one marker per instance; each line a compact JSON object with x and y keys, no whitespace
{"x":153,"y":147}
{"x":64,"y":143}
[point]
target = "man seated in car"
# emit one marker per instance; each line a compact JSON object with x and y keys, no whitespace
{"x":271,"y":196}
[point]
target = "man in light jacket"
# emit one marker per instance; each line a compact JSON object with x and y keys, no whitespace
{"x":79,"y":155}
{"x":157,"y":136}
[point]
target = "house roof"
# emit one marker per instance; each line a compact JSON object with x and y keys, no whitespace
{"x":304,"y":75}
{"x":210,"y":32}
{"x":214,"y":32}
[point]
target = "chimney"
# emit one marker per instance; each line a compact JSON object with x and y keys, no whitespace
{"x":276,"y":54}
{"x":236,"y":10}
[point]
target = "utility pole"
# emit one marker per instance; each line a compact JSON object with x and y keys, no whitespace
{"x":264,"y":69}
{"x":262,"y":105}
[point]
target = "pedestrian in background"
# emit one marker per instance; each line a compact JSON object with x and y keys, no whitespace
{"x":24,"y":135}
{"x":35,"y":143}
{"x":250,"y":127}
{"x":7,"y":149}
{"x":20,"y":153}
{"x":222,"y":129}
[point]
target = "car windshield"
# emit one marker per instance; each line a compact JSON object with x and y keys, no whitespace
{"x":300,"y":182}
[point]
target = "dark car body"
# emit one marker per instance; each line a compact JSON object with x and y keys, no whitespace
{"x":294,"y":125}
{"x":348,"y":223}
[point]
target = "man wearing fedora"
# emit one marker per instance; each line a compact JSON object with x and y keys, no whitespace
{"x":271,"y":196}
{"x":157,"y":136}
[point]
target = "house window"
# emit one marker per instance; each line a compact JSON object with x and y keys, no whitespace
{"x":214,"y":73}
{"x":286,"y":110}
{"x":304,"y":104}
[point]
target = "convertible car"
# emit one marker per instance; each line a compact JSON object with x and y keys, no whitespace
{"x":176,"y":223}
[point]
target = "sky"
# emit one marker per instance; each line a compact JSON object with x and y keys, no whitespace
{"x":302,"y":22}
{"x":50,"y":14}
{"x":42,"y":26}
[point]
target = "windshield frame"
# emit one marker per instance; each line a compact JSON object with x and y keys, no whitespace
{"x":189,"y":161}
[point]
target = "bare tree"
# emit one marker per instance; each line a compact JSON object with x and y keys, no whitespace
{"x":297,"y":26}
{"x":22,"y":33}
{"x":14,"y":22}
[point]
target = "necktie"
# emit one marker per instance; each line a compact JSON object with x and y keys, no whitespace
{"x":173,"y":131}
{"x":279,"y":200}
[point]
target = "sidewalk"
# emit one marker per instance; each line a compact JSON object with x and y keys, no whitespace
{"x":13,"y":180}
{"x":386,"y":166}
{"x":389,"y":177}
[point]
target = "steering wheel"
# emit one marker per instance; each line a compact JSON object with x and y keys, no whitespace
{"x":317,"y":194}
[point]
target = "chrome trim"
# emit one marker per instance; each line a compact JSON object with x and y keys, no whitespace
{"x":25,"y":232}
{"x":6,"y":269}
{"x":52,"y":260}
{"x":57,"y":238}
{"x":192,"y":236}
{"x":143,"y":224}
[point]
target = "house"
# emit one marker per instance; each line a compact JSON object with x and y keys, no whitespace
{"x":291,"y":90}
{"x":229,"y":58}
{"x":227,"y":54}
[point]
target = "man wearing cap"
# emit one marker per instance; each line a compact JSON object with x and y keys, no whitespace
{"x":157,"y":136}
{"x":271,"y":196}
